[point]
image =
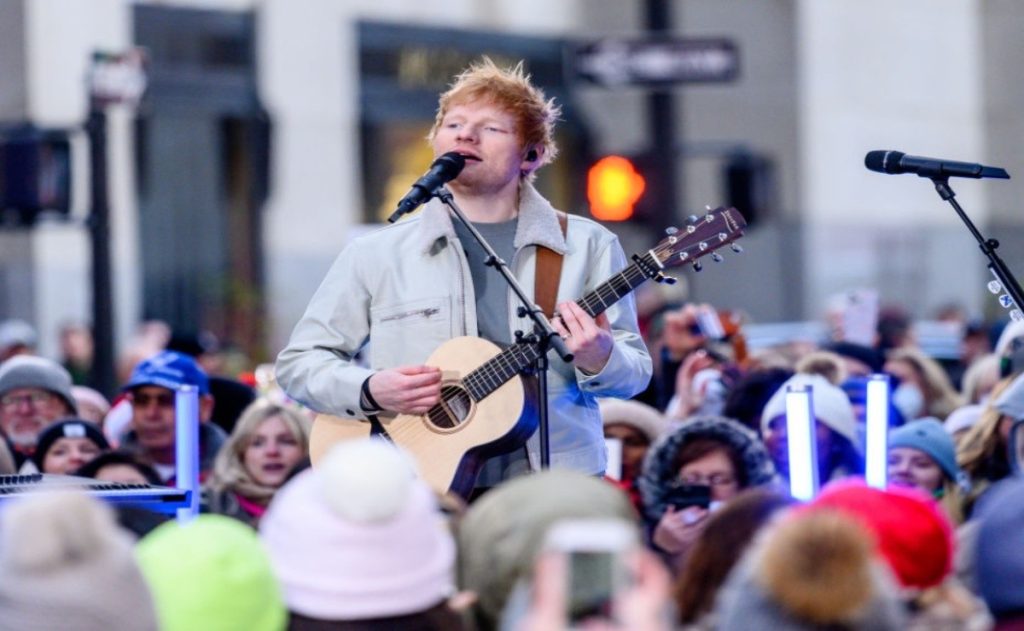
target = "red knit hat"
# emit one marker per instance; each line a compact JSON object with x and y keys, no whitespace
{"x":910,"y":530}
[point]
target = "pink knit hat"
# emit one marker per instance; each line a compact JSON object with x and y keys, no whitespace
{"x":359,"y":537}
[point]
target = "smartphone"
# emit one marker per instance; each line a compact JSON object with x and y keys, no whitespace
{"x":614,"y":467}
{"x":684,"y":495}
{"x":597,"y":572}
{"x":708,"y":324}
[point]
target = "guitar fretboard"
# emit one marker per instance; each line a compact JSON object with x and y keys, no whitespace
{"x":511,"y":361}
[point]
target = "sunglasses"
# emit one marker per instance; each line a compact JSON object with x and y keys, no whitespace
{"x":144,"y":399}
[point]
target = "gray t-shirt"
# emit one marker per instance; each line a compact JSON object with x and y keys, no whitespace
{"x":490,"y":288}
{"x":492,"y":320}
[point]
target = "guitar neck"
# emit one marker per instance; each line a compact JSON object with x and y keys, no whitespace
{"x":511,"y":361}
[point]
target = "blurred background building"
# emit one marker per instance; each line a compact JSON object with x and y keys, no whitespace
{"x":273,"y":131}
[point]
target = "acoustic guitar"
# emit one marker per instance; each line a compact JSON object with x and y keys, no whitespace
{"x":486,"y":407}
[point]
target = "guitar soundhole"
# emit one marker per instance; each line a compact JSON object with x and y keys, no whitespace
{"x":454,"y":409}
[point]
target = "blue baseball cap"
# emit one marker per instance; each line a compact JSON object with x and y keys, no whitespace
{"x":170,"y":370}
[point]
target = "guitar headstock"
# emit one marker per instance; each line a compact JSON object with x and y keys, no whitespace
{"x":701,"y":236}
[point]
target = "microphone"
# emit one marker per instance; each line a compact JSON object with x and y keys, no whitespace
{"x":894,"y":162}
{"x":444,"y":169}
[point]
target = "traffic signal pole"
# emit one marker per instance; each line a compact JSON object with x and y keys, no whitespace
{"x":665,"y":181}
{"x":103,"y":374}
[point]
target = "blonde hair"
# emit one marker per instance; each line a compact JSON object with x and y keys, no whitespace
{"x":509,"y":89}
{"x":824,"y":363}
{"x":229,"y":472}
{"x":939,"y":395}
{"x":952,"y":500}
{"x":981,"y":372}
{"x":981,"y":445}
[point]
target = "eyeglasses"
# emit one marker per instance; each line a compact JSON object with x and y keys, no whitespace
{"x":142,"y":399}
{"x":35,"y":398}
{"x":715,"y":479}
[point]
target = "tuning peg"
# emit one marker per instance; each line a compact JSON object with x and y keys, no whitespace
{"x":736,"y":247}
{"x":692,"y":219}
{"x":671,"y":230}
{"x":994,"y":286}
{"x":716,"y":257}
{"x":662,"y":278}
{"x":707,"y":207}
{"x":697,"y":266}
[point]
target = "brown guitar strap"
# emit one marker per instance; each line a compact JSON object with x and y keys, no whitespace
{"x":549,"y":271}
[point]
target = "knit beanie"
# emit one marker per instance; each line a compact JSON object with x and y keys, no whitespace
{"x":831,"y":406}
{"x":69,"y":428}
{"x":928,"y":435}
{"x":911,"y":531}
{"x":503,"y":531}
{"x":810,"y":571}
{"x":649,"y":421}
{"x":211,"y":573}
{"x":29,"y":371}
{"x":65,"y":563}
{"x":359,"y":537}
{"x":999,"y":560}
{"x":964,"y":417}
{"x":1011,"y":400}
{"x":16,"y":333}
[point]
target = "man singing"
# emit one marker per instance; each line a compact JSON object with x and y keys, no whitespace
{"x":409,"y":287}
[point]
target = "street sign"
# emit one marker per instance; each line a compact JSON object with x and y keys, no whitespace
{"x":657,"y":62}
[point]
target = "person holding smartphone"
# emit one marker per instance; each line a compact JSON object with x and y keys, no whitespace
{"x":704,"y":463}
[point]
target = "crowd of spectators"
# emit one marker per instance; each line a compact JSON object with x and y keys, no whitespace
{"x":361,"y":542}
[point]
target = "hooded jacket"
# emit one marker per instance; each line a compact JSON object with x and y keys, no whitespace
{"x":659,"y":473}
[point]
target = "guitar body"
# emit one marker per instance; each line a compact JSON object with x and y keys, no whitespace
{"x":451,"y":443}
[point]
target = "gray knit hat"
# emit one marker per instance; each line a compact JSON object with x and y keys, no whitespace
{"x":65,"y":563}
{"x":29,"y":371}
{"x":503,"y":532}
{"x":16,"y":333}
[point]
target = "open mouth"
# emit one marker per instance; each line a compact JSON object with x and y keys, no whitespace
{"x":470,"y":156}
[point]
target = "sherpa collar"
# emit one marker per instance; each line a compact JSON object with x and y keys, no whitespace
{"x":538,"y":223}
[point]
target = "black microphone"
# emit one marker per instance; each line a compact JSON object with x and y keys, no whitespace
{"x":897,"y":162}
{"x":444,"y":169}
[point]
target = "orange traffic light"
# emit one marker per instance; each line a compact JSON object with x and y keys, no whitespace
{"x":613,"y":188}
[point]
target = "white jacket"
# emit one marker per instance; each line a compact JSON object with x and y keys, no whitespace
{"x":404,"y":290}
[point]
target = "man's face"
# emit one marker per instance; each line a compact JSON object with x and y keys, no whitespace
{"x":153,"y":416}
{"x":24,"y":412}
{"x":488,"y":137}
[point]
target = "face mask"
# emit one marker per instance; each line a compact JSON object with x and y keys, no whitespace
{"x":908,"y":400}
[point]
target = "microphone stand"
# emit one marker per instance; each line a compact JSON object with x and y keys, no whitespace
{"x":543,"y":335}
{"x":988,"y":247}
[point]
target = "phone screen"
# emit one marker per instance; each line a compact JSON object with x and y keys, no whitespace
{"x":592,"y":584}
{"x":614,"y":467}
{"x":596,"y":570}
